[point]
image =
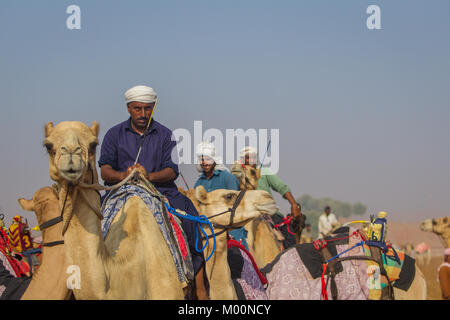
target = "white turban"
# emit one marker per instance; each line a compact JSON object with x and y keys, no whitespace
{"x":248,"y":151}
{"x":140,"y":94}
{"x":208,"y":150}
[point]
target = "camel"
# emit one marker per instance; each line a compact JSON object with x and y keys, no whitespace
{"x":264,"y":242}
{"x":247,"y":175}
{"x":222,"y":286}
{"x":49,"y":281}
{"x":133,"y":261}
{"x":253,"y":204}
{"x":421,"y":251}
{"x":440,"y":227}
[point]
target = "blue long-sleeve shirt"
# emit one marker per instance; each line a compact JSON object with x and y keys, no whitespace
{"x":224,"y":180}
{"x":219,"y":180}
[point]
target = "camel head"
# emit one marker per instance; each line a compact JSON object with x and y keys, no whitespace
{"x":190,"y":193}
{"x":44,"y":204}
{"x":247,"y":175}
{"x":71,"y":148}
{"x":440,"y":226}
{"x":253,"y":204}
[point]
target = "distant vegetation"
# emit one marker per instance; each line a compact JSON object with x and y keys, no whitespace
{"x":312,"y":208}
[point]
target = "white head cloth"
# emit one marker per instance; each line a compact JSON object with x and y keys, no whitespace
{"x":208,"y":150}
{"x":250,"y":151}
{"x":140,"y":94}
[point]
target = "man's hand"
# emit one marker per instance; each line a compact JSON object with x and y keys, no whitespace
{"x":140,"y":170}
{"x":295,"y":211}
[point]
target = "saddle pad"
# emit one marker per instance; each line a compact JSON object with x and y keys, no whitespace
{"x":115,"y":202}
{"x":246,"y":281}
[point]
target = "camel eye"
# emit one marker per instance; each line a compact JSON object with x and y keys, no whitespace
{"x":49,"y":147}
{"x":93,"y":147}
{"x":229,"y":196}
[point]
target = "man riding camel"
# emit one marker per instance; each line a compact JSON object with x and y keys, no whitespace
{"x":269,"y":181}
{"x":214,"y":175}
{"x":141,"y":138}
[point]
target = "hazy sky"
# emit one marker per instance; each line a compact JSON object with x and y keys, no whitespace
{"x":363,"y":114}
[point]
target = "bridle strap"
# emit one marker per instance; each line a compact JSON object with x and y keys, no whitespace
{"x":232,"y":210}
{"x":233,"y":213}
{"x":53,"y":243}
{"x":50,"y":223}
{"x":59,"y":219}
{"x":236,"y":204}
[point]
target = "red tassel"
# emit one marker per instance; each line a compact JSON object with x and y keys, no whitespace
{"x":324,"y":289}
{"x":180,"y":239}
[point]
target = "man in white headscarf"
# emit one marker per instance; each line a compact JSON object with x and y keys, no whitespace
{"x":269,"y":181}
{"x":143,"y":140}
{"x":214,"y":175}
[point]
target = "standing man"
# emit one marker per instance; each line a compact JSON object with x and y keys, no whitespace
{"x":120,"y":148}
{"x":327,"y":222}
{"x":444,"y":275}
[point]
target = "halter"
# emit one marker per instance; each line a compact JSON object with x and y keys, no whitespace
{"x":59,"y":219}
{"x":247,"y":180}
{"x":53,"y":222}
{"x":233,"y":213}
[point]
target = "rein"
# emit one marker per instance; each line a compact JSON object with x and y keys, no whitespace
{"x":233,"y":213}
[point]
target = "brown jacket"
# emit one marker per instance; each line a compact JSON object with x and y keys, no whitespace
{"x":444,"y":280}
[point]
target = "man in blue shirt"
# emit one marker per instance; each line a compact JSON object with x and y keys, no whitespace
{"x":120,"y":148}
{"x":214,"y":175}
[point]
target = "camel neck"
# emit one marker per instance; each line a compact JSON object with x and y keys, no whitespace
{"x":84,"y":227}
{"x":49,"y":280}
{"x":218,"y":271}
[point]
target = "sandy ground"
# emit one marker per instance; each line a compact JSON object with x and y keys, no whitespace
{"x":430,"y":272}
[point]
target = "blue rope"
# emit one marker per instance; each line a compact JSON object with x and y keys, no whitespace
{"x":199,"y":220}
{"x":336,"y":256}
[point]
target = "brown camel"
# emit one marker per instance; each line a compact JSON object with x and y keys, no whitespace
{"x":264,"y":241}
{"x":439,"y":226}
{"x":49,"y":281}
{"x":133,"y":262}
{"x":253,"y":204}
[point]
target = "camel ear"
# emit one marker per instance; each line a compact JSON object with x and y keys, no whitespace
{"x":27,"y":205}
{"x":201,"y":194}
{"x":182,"y":191}
{"x":48,"y":129}
{"x":95,"y":128}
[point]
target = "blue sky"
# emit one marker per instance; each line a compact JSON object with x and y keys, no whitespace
{"x":363,"y":114}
